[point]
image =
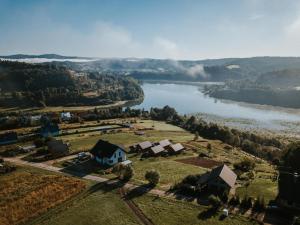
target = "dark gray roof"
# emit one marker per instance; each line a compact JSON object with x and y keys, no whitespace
{"x":104,"y":149}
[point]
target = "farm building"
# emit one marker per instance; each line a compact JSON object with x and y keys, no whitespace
{"x":156,"y":150}
{"x":144,"y":146}
{"x":164,"y":143}
{"x":107,"y":153}
{"x":176,"y":148}
{"x":57,"y":148}
{"x":221,"y":178}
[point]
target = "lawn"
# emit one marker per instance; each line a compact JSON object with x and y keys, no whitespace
{"x":28,"y":192}
{"x":166,"y":211}
{"x":99,"y":205}
{"x":260,"y":187}
{"x":170,"y":171}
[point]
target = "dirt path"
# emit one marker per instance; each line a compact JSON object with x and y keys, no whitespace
{"x":135,"y":209}
{"x":45,"y":166}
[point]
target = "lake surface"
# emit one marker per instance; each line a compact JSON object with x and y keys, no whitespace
{"x":188,"y":99}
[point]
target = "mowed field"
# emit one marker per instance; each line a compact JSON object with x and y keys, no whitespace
{"x":28,"y":192}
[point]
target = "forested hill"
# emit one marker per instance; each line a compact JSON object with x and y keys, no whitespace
{"x":24,"y":84}
{"x":199,"y":70}
{"x":166,"y":69}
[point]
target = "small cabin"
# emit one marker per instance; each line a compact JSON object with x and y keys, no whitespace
{"x":156,"y":150}
{"x":107,"y":153}
{"x":220,"y":178}
{"x":143,"y":146}
{"x":58,"y":148}
{"x":175,"y":149}
{"x":164,"y":143}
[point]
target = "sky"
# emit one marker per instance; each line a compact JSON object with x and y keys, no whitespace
{"x":175,"y":29}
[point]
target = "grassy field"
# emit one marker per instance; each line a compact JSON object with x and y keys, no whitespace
{"x":261,"y":186}
{"x":98,"y":205}
{"x":170,"y":171}
{"x":28,"y":192}
{"x":165,"y":211}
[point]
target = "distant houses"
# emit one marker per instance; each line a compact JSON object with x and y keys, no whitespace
{"x":162,"y":147}
{"x":106,"y":153}
{"x":220,"y":178}
{"x":65,"y":116}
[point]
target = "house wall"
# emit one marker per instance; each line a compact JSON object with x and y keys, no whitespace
{"x":114,"y":159}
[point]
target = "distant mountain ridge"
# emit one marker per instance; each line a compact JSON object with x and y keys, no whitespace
{"x":44,"y":56}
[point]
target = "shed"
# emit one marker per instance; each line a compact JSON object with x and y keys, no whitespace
{"x":144,"y":146}
{"x":58,"y":148}
{"x":156,"y":150}
{"x":176,"y":148}
{"x":164,"y":143}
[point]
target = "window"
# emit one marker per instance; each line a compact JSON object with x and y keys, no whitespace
{"x":115,"y":155}
{"x":119,"y":154}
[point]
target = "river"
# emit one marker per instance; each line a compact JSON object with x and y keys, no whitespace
{"x":188,"y":99}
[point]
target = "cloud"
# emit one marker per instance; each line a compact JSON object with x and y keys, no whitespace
{"x":293,"y":29}
{"x":256,"y":16}
{"x":169,"y":48}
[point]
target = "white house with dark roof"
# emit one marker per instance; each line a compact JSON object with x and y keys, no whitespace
{"x":107,"y":153}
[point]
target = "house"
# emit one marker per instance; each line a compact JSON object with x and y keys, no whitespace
{"x":65,"y":116}
{"x":49,"y":130}
{"x":176,"y":148}
{"x":156,"y":150}
{"x":107,"y":153}
{"x":220,"y":178}
{"x":8,"y":138}
{"x":143,"y":146}
{"x":164,"y":143}
{"x":58,"y":148}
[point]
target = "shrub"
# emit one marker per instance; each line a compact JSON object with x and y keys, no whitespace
{"x":153,"y":177}
{"x":214,"y":201}
{"x":245,"y":165}
{"x":246,"y":202}
{"x":234,"y":201}
{"x":124,"y":173}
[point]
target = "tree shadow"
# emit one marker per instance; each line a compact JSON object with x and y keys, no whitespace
{"x":210,"y":212}
{"x":107,"y":186}
{"x":138,"y":191}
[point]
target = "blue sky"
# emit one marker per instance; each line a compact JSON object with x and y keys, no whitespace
{"x":178,"y":29}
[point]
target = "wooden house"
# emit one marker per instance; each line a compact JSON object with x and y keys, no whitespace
{"x":175,"y":148}
{"x":156,"y":150}
{"x":143,"y":146}
{"x":220,"y":178}
{"x":58,"y":148}
{"x":164,"y":143}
